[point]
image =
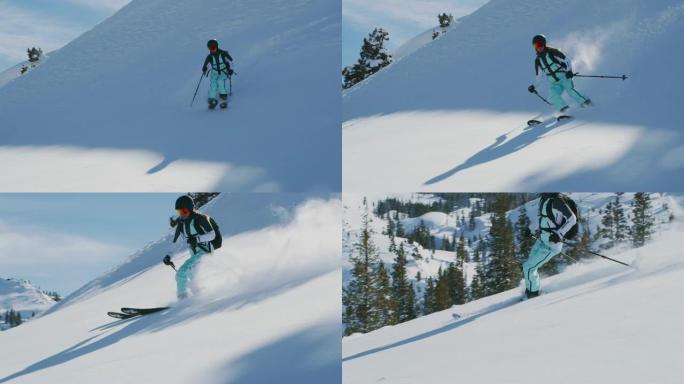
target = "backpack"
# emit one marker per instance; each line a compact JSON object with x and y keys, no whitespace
{"x":572,"y":233}
{"x":218,"y":239}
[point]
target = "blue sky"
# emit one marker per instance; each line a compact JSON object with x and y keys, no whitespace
{"x":403,"y":19}
{"x":48,"y":24}
{"x":61,"y":241}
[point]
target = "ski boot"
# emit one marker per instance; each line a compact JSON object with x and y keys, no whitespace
{"x":224,"y":101}
{"x":212,"y":103}
{"x":530,"y":295}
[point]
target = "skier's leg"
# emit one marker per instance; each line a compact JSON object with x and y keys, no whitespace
{"x":223,"y":93}
{"x":213,"y":86}
{"x":540,"y":254}
{"x":221,"y":84}
{"x":555,"y":92}
{"x":569,"y":87}
{"x":184,"y":274}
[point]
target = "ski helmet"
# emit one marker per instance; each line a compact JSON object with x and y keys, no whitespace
{"x":539,"y":39}
{"x":213,"y":43}
{"x":549,"y":195}
{"x":186,"y":202}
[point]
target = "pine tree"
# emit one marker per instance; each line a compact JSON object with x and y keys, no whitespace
{"x":643,"y":222}
{"x":524,"y":234}
{"x":430,"y":297}
{"x":402,"y":289}
{"x":359,"y":297}
{"x":477,"y":286}
{"x":461,"y":252}
{"x":619,"y":220}
{"x":608,"y":225}
{"x":584,"y":244}
{"x":373,"y":57}
{"x":456,"y":283}
{"x":399,"y":229}
{"x":442,"y":296}
{"x":502,"y":270}
{"x":384,"y":304}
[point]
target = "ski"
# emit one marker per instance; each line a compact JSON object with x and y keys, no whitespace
{"x":118,"y":315}
{"x":546,"y":122}
{"x":127,"y":313}
{"x":141,"y":311}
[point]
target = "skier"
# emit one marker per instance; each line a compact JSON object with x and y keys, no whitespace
{"x":220,"y":62}
{"x":202,"y":235}
{"x":557,"y":220}
{"x":558,"y":71}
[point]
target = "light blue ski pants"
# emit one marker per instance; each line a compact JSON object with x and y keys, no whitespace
{"x":541,"y":253}
{"x":217,"y":85}
{"x":556,"y":89}
{"x":185,"y":273}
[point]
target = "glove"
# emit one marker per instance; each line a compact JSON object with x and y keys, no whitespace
{"x":204,"y":70}
{"x":555,"y":238}
{"x":173,"y":222}
{"x":569,"y":75}
{"x":167,"y":260}
{"x":531,"y":89}
{"x":192,"y":241}
{"x":230,"y":72}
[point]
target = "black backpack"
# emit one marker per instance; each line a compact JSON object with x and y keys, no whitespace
{"x":572,"y":233}
{"x":218,"y":239}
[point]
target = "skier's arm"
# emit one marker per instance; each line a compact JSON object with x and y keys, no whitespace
{"x":228,"y":56}
{"x":206,"y":63}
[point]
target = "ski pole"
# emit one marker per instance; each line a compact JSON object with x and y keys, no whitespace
{"x":603,"y":256}
{"x":167,"y":261}
{"x":623,"y":77}
{"x":532,"y":90}
{"x":197,"y":89}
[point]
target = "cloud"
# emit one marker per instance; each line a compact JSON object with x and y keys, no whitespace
{"x":21,"y":28}
{"x":405,"y":20}
{"x":22,"y":246}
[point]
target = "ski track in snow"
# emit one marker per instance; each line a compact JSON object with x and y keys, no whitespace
{"x":597,"y":321}
{"x":279,"y":252}
{"x":451,"y":115}
{"x":110,"y":110}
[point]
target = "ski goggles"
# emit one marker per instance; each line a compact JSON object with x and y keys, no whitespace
{"x":538,"y":45}
{"x":212,"y":49}
{"x":183,"y":212}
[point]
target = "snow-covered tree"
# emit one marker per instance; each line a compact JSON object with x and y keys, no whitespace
{"x":373,"y":57}
{"x":643,"y":222}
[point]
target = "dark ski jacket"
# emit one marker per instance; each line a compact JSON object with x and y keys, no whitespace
{"x":551,"y":61}
{"x":555,"y":216}
{"x":219,"y":61}
{"x":201,"y":227}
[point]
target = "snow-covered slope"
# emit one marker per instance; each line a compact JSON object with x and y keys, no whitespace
{"x":452,"y":115}
{"x":598,"y":322}
{"x":110,"y":110}
{"x":23,"y":297}
{"x":265,"y":308}
{"x":455,"y":223}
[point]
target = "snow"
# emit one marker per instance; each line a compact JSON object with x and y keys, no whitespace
{"x":110,"y":110}
{"x":451,"y":116}
{"x":23,"y":297}
{"x":597,"y":322}
{"x":279,"y":252}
